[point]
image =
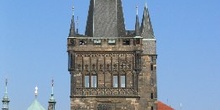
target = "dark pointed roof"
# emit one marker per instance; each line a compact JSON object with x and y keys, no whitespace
{"x":105,"y":19}
{"x":72,"y":26}
{"x":137,"y":24}
{"x":146,"y":26}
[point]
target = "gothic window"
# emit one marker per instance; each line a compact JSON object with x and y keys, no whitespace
{"x":86,"y":80}
{"x":70,"y":61}
{"x":122,"y":81}
{"x":115,"y":81}
{"x":90,"y":81}
{"x":93,"y":81}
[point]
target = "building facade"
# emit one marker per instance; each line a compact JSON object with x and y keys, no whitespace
{"x":112,"y":68}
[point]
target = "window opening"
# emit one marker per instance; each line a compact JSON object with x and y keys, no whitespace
{"x":111,"y":42}
{"x":126,"y":42}
{"x":152,"y":67}
{"x":152,"y":108}
{"x":82,"y":42}
{"x":138,"y":41}
{"x":152,"y":95}
{"x":97,"y":41}
{"x":94,"y":81}
{"x":122,"y":81}
{"x":115,"y":81}
{"x":86,"y":81}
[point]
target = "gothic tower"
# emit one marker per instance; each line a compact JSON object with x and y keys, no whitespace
{"x":112,"y":68}
{"x":5,"y":100}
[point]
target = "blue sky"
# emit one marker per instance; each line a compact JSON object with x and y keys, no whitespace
{"x":33,"y":49}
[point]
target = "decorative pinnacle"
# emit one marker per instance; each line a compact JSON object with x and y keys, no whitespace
{"x":52,"y":99}
{"x":77,"y":24}
{"x":52,"y":83}
{"x":36,"y":92}
{"x":73,"y":9}
{"x":6,"y":89}
{"x":6,"y":85}
{"x":137,"y":10}
{"x":146,"y":4}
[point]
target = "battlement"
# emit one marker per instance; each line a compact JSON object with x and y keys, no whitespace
{"x":104,"y":43}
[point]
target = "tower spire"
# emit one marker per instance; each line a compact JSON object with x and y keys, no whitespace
{"x":52,"y":100}
{"x":5,"y":99}
{"x":105,"y":19}
{"x":72,"y":25}
{"x":146,"y":26}
{"x":137,"y":24}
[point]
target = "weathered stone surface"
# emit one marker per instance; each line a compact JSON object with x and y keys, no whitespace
{"x":109,"y":71}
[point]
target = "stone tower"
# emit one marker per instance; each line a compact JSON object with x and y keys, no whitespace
{"x":52,"y":101}
{"x":112,"y":68}
{"x":5,"y":100}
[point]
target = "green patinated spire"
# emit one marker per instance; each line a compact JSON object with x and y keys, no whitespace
{"x":35,"y":104}
{"x":5,"y":99}
{"x":52,"y":100}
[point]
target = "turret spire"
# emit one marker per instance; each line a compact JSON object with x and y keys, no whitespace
{"x":6,"y":100}
{"x":77,"y":25}
{"x":146,"y":26}
{"x":52,"y":100}
{"x":137,"y":24}
{"x":72,"y":25}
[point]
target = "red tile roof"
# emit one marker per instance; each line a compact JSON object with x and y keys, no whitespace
{"x":162,"y":106}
